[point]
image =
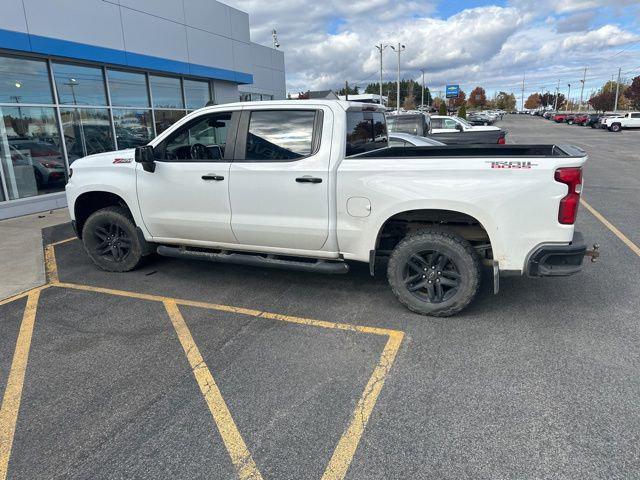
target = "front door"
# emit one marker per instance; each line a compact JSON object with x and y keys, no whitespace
{"x":279,"y":180}
{"x":187,"y":196}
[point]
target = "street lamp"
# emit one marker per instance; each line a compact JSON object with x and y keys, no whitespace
{"x":568,"y":95}
{"x":381,"y":48}
{"x":399,"y":49}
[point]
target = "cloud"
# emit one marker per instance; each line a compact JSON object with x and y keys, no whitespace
{"x":326,"y":43}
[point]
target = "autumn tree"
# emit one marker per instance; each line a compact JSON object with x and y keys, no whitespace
{"x":603,"y":100}
{"x":459,"y":100}
{"x":633,"y":93}
{"x":477,"y":97}
{"x":506,"y":101}
{"x":534,"y":101}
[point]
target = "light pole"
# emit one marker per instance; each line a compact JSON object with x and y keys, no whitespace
{"x":568,"y":96}
{"x":584,"y":77}
{"x":399,"y":50}
{"x":555,"y":100}
{"x":615,"y":106}
{"x":274,"y":35}
{"x":72,"y":84}
{"x":422,"y":96}
{"x":381,"y":48}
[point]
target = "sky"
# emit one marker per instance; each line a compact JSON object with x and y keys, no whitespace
{"x":490,"y":43}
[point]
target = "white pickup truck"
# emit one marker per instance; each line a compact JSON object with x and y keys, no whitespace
{"x":311,"y":185}
{"x":617,"y":123}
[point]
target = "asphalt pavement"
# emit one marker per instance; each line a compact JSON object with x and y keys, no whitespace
{"x":539,"y":381}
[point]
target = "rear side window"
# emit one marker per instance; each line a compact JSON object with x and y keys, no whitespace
{"x":365,"y":131}
{"x":284,"y":135}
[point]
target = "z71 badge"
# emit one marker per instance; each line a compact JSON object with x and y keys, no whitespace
{"x":122,"y":160}
{"x":513,"y":165}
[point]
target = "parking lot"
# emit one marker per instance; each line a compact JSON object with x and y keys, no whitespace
{"x":183,"y":369}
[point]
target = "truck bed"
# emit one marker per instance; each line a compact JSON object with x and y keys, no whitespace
{"x":481,"y":150}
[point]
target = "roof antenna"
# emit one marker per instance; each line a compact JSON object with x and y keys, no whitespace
{"x":274,"y":34}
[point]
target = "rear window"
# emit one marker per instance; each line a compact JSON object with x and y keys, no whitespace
{"x":280,"y":135}
{"x":366,"y":131}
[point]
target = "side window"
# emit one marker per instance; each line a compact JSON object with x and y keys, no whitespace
{"x":635,"y":115}
{"x":280,"y":135}
{"x":397,"y":143}
{"x":448,"y":123}
{"x":366,"y":131}
{"x":202,"y":140}
{"x":436,"y":123}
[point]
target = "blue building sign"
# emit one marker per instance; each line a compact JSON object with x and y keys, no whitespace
{"x":452,"y":91}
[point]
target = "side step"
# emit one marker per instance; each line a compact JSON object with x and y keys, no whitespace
{"x":318,"y":266}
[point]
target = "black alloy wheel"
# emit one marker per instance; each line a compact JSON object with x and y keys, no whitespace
{"x":431,"y":276}
{"x":112,"y":242}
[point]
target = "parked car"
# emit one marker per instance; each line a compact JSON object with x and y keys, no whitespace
{"x":568,"y":118}
{"x":477,"y":118}
{"x":580,"y":119}
{"x":397,"y":139}
{"x":593,"y":120}
{"x":435,"y":213}
{"x":455,"y":131}
{"x":628,"y":120}
{"x":559,"y":117}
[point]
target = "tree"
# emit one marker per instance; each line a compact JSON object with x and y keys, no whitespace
{"x":443,"y":109}
{"x":603,"y":100}
{"x":478,"y":97}
{"x":409,"y":102}
{"x":462,"y":111}
{"x":506,"y":101}
{"x":407,"y":88}
{"x":534,"y":101}
{"x":548,"y":99}
{"x":633,"y":93}
{"x":352,"y":91}
{"x":460,"y":100}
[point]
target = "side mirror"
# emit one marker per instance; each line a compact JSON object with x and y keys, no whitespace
{"x":144,"y":156}
{"x":459,"y":127}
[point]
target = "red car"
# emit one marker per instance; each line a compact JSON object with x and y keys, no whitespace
{"x":559,"y":117}
{"x":581,"y":119}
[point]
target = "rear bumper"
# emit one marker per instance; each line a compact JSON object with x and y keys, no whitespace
{"x":557,"y":260}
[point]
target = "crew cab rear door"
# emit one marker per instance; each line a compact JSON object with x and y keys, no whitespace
{"x":279,"y":178}
{"x":186,"y":197}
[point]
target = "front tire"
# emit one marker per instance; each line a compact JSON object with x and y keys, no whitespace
{"x":434,"y":273}
{"x":616,"y":127}
{"x":111,"y":240}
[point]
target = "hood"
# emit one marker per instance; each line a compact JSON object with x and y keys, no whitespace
{"x":105,"y":158}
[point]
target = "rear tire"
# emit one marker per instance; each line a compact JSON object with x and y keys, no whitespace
{"x":111,"y":240}
{"x":434,"y":273}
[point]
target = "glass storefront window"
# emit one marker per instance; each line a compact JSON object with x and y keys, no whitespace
{"x":196,"y":93}
{"x":79,"y":85}
{"x":166,"y":118}
{"x":166,"y":92}
{"x":86,"y":131}
{"x":128,"y":89}
{"x":30,"y":151}
{"x":24,"y":81}
{"x":133,"y":127}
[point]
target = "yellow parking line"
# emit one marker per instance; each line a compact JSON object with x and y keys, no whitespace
{"x":50,"y":265}
{"x":346,"y":448}
{"x":634,"y":248}
{"x":60,"y":242}
{"x":13,"y":392}
{"x":240,"y":456}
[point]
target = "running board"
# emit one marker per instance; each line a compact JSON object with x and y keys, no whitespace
{"x":319,"y":266}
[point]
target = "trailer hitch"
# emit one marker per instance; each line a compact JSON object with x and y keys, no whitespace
{"x":594,"y":253}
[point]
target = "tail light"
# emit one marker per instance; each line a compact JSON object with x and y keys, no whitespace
{"x":572,"y":177}
{"x":502,"y":140}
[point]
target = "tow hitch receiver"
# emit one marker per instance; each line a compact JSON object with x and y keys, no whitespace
{"x":594,"y":253}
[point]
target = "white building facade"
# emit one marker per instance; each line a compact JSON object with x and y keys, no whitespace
{"x":85,"y":76}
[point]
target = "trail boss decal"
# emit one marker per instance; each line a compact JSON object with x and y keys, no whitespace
{"x":122,"y":160}
{"x":513,"y":165}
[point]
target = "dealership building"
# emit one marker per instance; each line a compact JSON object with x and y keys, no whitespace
{"x":79,"y":77}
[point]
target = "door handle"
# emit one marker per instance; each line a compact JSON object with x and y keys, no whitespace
{"x":212,"y":176}
{"x":308,"y":180}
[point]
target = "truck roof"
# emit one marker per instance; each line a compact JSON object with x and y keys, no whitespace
{"x":346,"y":105}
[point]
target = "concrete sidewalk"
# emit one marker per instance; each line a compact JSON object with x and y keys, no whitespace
{"x":21,"y":253}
